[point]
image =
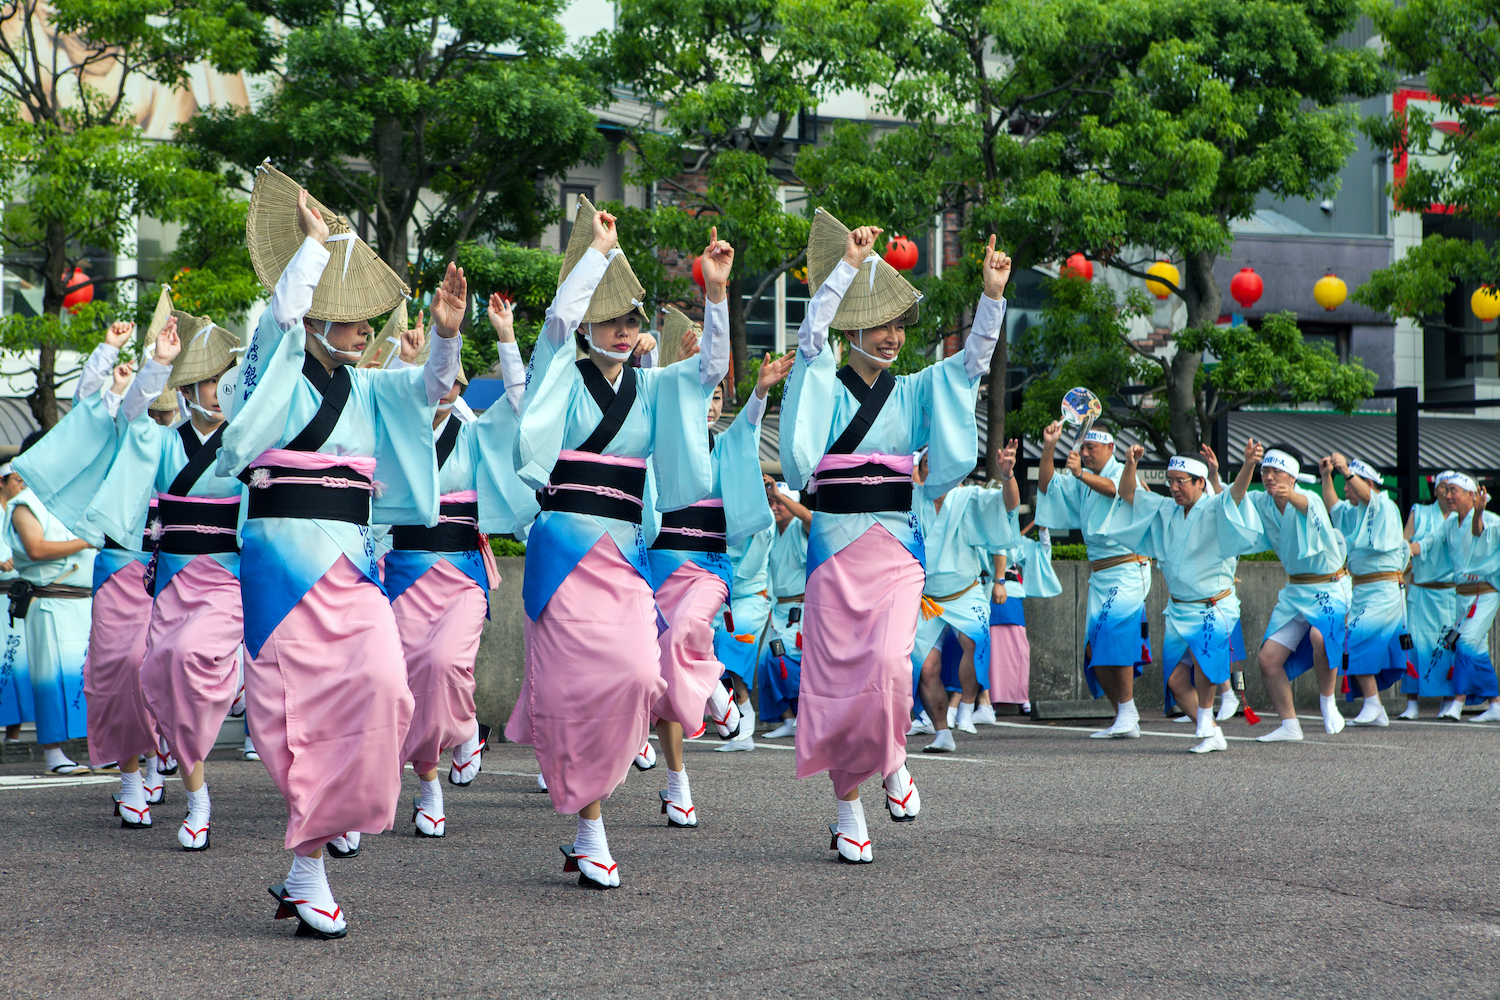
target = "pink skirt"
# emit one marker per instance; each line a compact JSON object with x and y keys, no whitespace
{"x":192,"y":668}
{"x":593,"y":672}
{"x":440,"y":616}
{"x":689,"y":599}
{"x":119,"y":721}
{"x":858,"y":630}
{"x":1010,"y":664}
{"x":329,"y":708}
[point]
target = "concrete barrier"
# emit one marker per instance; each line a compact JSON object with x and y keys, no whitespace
{"x":1055,"y":627}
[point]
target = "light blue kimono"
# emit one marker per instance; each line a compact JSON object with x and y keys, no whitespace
{"x":972,"y":523}
{"x":57,"y":628}
{"x":65,"y":470}
{"x":1032,"y":560}
{"x":668,"y":423}
{"x":933,"y":408}
{"x":17,"y":704}
{"x":1116,"y":633}
{"x":1306,"y":543}
{"x":1430,"y":610}
{"x":388,"y":416}
{"x":1198,"y":552}
{"x":1477,"y":561}
{"x":749,"y":603}
{"x":780,"y":677}
{"x":1376,"y":627}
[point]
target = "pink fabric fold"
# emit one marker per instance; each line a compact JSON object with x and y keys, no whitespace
{"x":858,"y":630}
{"x":689,"y":600}
{"x":192,"y":666}
{"x":898,"y":463}
{"x":440,"y":618}
{"x":119,"y":720}
{"x":314,"y":461}
{"x":592,"y":674}
{"x":462,"y":496}
{"x":717,"y":502}
{"x":1010,"y":664}
{"x":568,"y":455}
{"x":223,"y":500}
{"x":329,"y":709}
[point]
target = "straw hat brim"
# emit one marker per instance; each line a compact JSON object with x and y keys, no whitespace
{"x":619,"y":292}
{"x":879,"y":293}
{"x":164,"y":403}
{"x":379,"y":348}
{"x":207,"y":358}
{"x":355,"y":285}
{"x":159,"y":317}
{"x":673,"y":327}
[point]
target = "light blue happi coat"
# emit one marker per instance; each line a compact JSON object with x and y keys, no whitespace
{"x":1430,"y":611}
{"x":66,"y":468}
{"x":388,"y":417}
{"x":1306,"y":543}
{"x":1198,"y":551}
{"x":17,"y":704}
{"x":1477,"y":560}
{"x":749,"y":604}
{"x":668,"y":424}
{"x":1376,"y":543}
{"x":779,"y":678}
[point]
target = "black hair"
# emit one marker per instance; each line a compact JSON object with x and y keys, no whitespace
{"x":31,"y":439}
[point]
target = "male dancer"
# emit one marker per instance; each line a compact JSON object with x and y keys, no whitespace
{"x":780,"y":675}
{"x":1430,"y":599}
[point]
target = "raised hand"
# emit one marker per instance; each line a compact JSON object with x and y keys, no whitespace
{"x":1075,"y":463}
{"x":773,"y":370}
{"x":1340,"y":463}
{"x":310,"y":220}
{"x":502,"y":318}
{"x":1325,"y":466}
{"x":689,"y":346}
{"x":122,"y":374}
{"x":1005,"y":458}
{"x":606,"y":236}
{"x":412,"y":339}
{"x":718,"y":259}
{"x":1051,"y":434}
{"x":168,"y":344}
{"x":1254,"y":452}
{"x":1135,"y":454}
{"x":996,"y":271}
{"x":118,"y":333}
{"x":857,"y":246}
{"x":450,"y":302}
{"x":1209,"y":459}
{"x":645,"y":345}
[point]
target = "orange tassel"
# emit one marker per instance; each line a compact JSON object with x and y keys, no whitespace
{"x":930,"y":608}
{"x":744,"y":638}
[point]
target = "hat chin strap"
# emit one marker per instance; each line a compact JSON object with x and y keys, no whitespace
{"x":334,"y":352}
{"x":882,"y":362}
{"x":613,"y":355}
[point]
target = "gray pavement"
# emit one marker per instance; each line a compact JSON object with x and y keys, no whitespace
{"x":1044,"y":864}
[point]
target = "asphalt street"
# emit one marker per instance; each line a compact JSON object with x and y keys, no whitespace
{"x":1043,"y":864}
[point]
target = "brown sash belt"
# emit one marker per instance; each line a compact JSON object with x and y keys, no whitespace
{"x":1113,"y":561}
{"x":953,"y":597}
{"x":1315,"y":578}
{"x":1360,"y":579}
{"x":65,"y":590}
{"x":1210,"y":601}
{"x":1435,"y":586}
{"x":796,"y":599}
{"x":1474,"y":589}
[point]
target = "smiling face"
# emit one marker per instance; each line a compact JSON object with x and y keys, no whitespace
{"x":1186,"y":490}
{"x":1095,"y":455}
{"x":619,"y":335}
{"x":1444,"y":498}
{"x":1462,"y":500}
{"x":882,"y":343}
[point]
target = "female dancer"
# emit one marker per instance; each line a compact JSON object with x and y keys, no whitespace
{"x":593,"y":670}
{"x":780,"y":677}
{"x":849,"y":434}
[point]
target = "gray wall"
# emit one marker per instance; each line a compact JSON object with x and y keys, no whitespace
{"x":1055,"y":627}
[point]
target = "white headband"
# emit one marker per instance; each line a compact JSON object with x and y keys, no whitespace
{"x":1099,"y":437}
{"x":1193,"y":467}
{"x":1445,"y":476}
{"x":5,"y":470}
{"x":1283,"y":462}
{"x":791,"y":494}
{"x":1463,"y":482}
{"x":1364,"y":471}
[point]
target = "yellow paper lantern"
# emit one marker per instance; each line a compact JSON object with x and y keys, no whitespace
{"x":1330,"y":291}
{"x":1164,"y":270}
{"x":1485,"y":303}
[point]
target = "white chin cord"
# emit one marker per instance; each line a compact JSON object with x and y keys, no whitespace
{"x":615,"y":355}
{"x":882,"y":362}
{"x":345,"y":357}
{"x":208,"y":415}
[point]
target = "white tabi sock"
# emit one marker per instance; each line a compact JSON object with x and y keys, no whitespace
{"x":56,"y":758}
{"x":470,"y":745}
{"x":1289,"y":730}
{"x":1205,"y":722}
{"x":952,"y":716}
{"x":432,"y":797}
{"x":308,"y":881}
{"x":133,"y":791}
{"x":852,"y":820}
{"x":747,"y":713}
{"x":1333,"y":719}
{"x":1127,"y":716}
{"x":199,"y":807}
{"x":352,"y":839}
{"x":965,"y":719}
{"x":1370,"y":710}
{"x":591,"y":840}
{"x":678,"y":789}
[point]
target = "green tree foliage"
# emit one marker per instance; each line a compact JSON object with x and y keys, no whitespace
{"x":437,"y":117}
{"x":1455,"y":46}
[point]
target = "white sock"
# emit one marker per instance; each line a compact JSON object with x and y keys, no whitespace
{"x":56,"y":758}
{"x":896,"y":784}
{"x":308,"y":880}
{"x":353,"y":839}
{"x":965,"y":714}
{"x":249,"y":744}
{"x":718,"y":700}
{"x":747,"y":728}
{"x":133,"y":789}
{"x":1205,"y":722}
{"x":198,"y":808}
{"x":678,"y":789}
{"x":469,"y":746}
{"x":952,"y":716}
{"x":1292,"y":726}
{"x":591,"y":839}
{"x":432,"y":797}
{"x":852,"y":820}
{"x":150,"y":777}
{"x":1411,"y":704}
{"x":1127,"y":715}
{"x":1328,"y":703}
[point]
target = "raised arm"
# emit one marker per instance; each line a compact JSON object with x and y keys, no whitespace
{"x":989,"y":315}
{"x":1048,"y":465}
{"x":1212,"y":461}
{"x":1005,"y":467}
{"x":1358,"y":484}
{"x":1479,"y":508}
{"x":448,"y":307}
{"x":713,"y":355}
{"x":800,"y":512}
{"x":293,"y":295}
{"x":154,"y":373}
{"x":96,"y":371}
{"x":1128,"y":477}
{"x":812,"y":335}
{"x":502,"y":318}
{"x":1325,"y":475}
{"x":1253,"y":454}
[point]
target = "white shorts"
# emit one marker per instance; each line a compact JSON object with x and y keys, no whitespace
{"x":1291,"y":634}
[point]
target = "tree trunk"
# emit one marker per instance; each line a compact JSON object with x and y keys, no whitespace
{"x":739,"y":352}
{"x":999,"y":405}
{"x":43,"y":398}
{"x":390,"y":222}
{"x":1201,"y":294}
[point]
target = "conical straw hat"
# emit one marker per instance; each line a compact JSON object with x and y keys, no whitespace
{"x":619,"y":292}
{"x":159,"y":319}
{"x":673,"y":327}
{"x":165,"y":403}
{"x":878,"y":295}
{"x":380,"y":349}
{"x":355,"y":285}
{"x":207,"y":350}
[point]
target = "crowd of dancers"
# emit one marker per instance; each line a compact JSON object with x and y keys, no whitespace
{"x":296,"y":531}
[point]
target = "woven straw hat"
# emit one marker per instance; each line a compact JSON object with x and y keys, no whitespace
{"x":165,"y":403}
{"x":380,"y":349}
{"x":620,"y":292}
{"x":207,"y":350}
{"x":355,"y":285}
{"x":673,"y":327}
{"x":878,"y":295}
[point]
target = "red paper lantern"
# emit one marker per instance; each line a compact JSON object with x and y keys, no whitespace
{"x":80,"y":290}
{"x":698,"y":278}
{"x":1078,"y":266}
{"x":901,"y":253}
{"x":1246,"y":287}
